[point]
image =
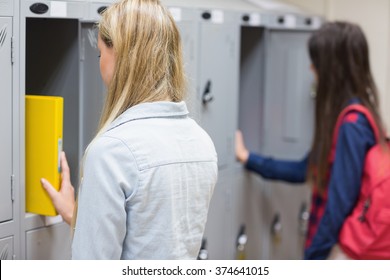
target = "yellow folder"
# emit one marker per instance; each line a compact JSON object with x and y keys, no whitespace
{"x":44,"y":118}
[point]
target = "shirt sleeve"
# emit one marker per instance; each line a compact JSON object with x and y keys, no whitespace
{"x":354,"y":140}
{"x":109,"y":179}
{"x":269,"y":168}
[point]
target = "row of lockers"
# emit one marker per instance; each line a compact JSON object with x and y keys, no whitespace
{"x":247,"y":68}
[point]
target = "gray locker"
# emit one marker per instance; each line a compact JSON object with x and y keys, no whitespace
{"x":50,"y":243}
{"x":218,"y":79}
{"x":6,"y":119}
{"x":54,"y":9}
{"x":244,"y":195}
{"x":237,"y":201}
{"x":94,"y":10}
{"x":50,"y":65}
{"x":188,"y":28}
{"x":93,"y":91}
{"x":276,"y":117}
{"x":247,"y":200}
{"x":218,"y":225}
{"x":251,"y":96}
{"x":285,"y":218}
{"x":289,"y":107}
{"x":7,"y":248}
{"x":6,"y":8}
{"x":52,"y":68}
{"x":288,"y":127}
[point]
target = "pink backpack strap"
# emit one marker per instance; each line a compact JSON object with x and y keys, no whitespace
{"x":358,"y":108}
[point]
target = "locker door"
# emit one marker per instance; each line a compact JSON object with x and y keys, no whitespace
{"x":92,"y":90}
{"x":288,"y":127}
{"x":218,"y":84}
{"x":49,"y":243}
{"x":5,"y":119}
{"x":289,"y":107}
{"x":189,"y":36}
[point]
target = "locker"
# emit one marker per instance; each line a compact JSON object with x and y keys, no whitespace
{"x":95,"y":8}
{"x":285,"y":218}
{"x":188,"y":28}
{"x":218,"y":79}
{"x":276,"y":117}
{"x":218,"y":224}
{"x":247,"y":200}
{"x":54,"y":9}
{"x":289,"y":107}
{"x":50,"y":243}
{"x":6,"y":212}
{"x":50,"y":65}
{"x":288,"y":123}
{"x":93,"y":91}
{"x":251,"y":96}
{"x":52,"y":68}
{"x":6,"y":8}
{"x":61,"y":57}
{"x":7,"y":248}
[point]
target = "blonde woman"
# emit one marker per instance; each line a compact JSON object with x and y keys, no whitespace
{"x":148,"y":176}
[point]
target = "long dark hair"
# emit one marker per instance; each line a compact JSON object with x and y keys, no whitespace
{"x":340,"y":55}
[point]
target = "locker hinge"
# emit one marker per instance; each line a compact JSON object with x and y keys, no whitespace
{"x":12,"y":51}
{"x":12,"y":187}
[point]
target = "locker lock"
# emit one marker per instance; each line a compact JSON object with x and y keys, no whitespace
{"x":39,"y":8}
{"x":101,"y":10}
{"x":207,"y":95}
{"x":206,"y":15}
{"x":281,"y":20}
{"x":246,"y":18}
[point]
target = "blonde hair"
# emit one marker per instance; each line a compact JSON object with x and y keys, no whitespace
{"x":148,"y":56}
{"x":148,"y":59}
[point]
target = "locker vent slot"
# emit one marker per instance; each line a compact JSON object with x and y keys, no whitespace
{"x":3,"y":35}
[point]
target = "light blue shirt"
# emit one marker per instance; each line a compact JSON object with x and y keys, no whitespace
{"x":146,"y":188}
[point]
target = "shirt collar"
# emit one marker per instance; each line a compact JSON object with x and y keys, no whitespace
{"x":148,"y":110}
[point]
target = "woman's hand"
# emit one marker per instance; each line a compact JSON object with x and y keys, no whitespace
{"x":63,"y":200}
{"x":242,"y":153}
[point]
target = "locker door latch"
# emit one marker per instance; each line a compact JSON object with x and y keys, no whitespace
{"x":304,"y":216}
{"x":276,"y":229}
{"x":207,"y":96}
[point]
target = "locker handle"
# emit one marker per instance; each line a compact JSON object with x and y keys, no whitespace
{"x":277,"y":228}
{"x":203,"y":253}
{"x":207,"y":95}
{"x":304,"y":216}
{"x":39,"y":8}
